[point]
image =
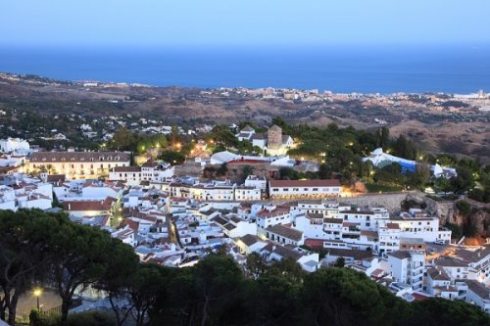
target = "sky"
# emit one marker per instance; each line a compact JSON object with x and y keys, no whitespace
{"x":242,"y":22}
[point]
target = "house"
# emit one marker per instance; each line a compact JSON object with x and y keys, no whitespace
{"x":233,"y":226}
{"x":350,"y":256}
{"x":417,"y":224}
{"x":464,"y":263}
{"x":244,"y":193}
{"x":271,"y":215}
{"x":478,"y":294}
{"x":408,"y":267}
{"x":14,"y":145}
{"x":284,"y":235}
{"x":250,"y":243}
{"x":439,"y":284}
{"x":246,"y":133}
{"x":81,"y":208}
{"x":256,"y":182}
{"x":304,"y":189}
{"x":274,"y":252}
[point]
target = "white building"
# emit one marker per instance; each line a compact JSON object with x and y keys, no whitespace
{"x":78,"y":165}
{"x":478,"y":294}
{"x":256,"y":182}
{"x":250,"y":243}
{"x":408,"y":267}
{"x":272,"y":215}
{"x":283,"y":235}
{"x":11,"y":145}
{"x":246,"y":133}
{"x":417,"y":224}
{"x":381,"y":159}
{"x":148,"y":172}
{"x":235,"y":227}
{"x":244,"y":193}
{"x":439,"y":284}
{"x":304,"y":189}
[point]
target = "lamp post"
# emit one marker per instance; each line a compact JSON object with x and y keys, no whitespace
{"x":37,"y":293}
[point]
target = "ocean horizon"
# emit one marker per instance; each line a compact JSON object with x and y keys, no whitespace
{"x":373,"y":69}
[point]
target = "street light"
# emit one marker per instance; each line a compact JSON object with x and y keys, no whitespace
{"x":38,"y":292}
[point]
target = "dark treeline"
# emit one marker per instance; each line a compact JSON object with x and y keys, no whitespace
{"x":41,"y":249}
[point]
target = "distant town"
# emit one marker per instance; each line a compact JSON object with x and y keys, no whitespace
{"x":411,"y":220}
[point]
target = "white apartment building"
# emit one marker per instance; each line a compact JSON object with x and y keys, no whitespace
{"x":417,"y":224}
{"x":367,"y":219}
{"x":439,"y":284}
{"x":272,"y":215}
{"x":408,"y":267}
{"x":256,"y":182}
{"x":78,"y":165}
{"x":283,"y":235}
{"x":304,"y":189}
{"x":134,"y":175}
{"x":244,"y":193}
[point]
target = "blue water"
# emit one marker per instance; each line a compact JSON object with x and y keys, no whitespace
{"x":455,"y":69}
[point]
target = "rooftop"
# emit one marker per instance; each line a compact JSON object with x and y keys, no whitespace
{"x":285,"y":231}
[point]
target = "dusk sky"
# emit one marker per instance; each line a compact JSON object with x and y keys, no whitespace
{"x":240,"y":22}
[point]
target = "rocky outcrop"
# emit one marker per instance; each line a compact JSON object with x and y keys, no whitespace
{"x":474,"y":221}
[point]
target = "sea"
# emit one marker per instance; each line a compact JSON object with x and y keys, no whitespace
{"x":364,"y":69}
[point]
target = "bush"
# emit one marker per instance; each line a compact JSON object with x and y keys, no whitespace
{"x":463,"y":207}
{"x":93,"y":318}
{"x":480,"y":195}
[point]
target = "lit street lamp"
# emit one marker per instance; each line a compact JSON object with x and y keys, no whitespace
{"x":37,"y":293}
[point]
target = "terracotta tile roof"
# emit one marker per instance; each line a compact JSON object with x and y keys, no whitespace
{"x":264,"y":213}
{"x":333,"y":220}
{"x":89,"y":205}
{"x":305,"y":183}
{"x":314,"y":243}
{"x":370,"y":234}
{"x":285,"y":232}
{"x":56,"y":178}
{"x":392,"y":225}
{"x":438,"y":274}
{"x":285,"y":252}
{"x":133,"y":225}
{"x":355,"y":254}
{"x":450,"y":262}
{"x":478,"y":288}
{"x":400,"y":254}
{"x":126,"y":169}
{"x":249,"y":239}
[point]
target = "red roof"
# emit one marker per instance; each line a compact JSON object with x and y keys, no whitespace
{"x":392,"y":225}
{"x":89,"y":205}
{"x":305,"y":183}
{"x":314,"y":243}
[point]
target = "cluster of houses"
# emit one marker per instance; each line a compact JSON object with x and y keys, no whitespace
{"x":176,"y":220}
